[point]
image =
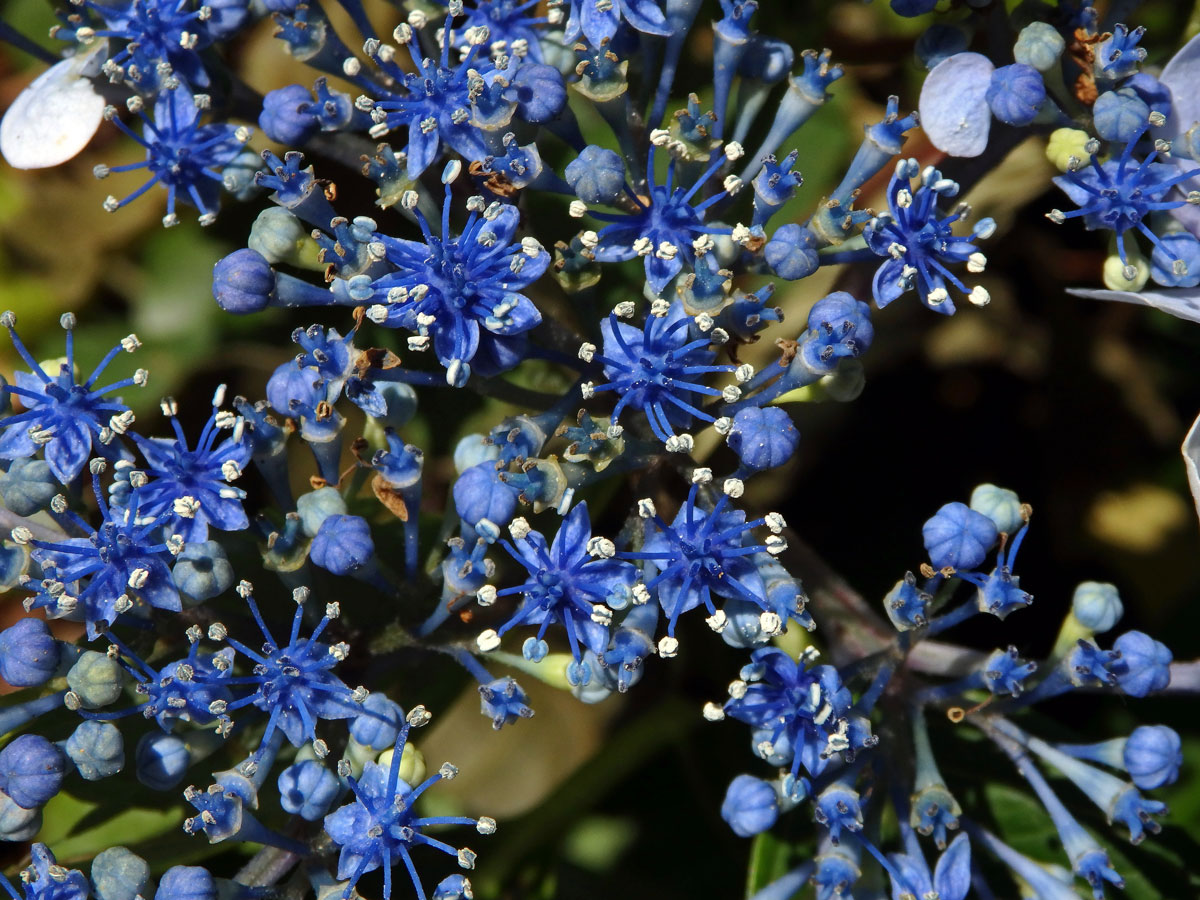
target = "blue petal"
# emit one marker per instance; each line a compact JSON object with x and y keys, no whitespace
{"x":69,"y":449}
{"x":954,"y":111}
{"x":952,"y":877}
{"x":1183,"y":303}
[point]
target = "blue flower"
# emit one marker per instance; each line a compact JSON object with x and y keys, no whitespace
{"x":461,"y":293}
{"x":702,"y":553}
{"x":1152,"y":755}
{"x":657,"y":369}
{"x":181,"y":154}
{"x":571,"y":582}
{"x":919,"y":242}
{"x":798,"y":713}
{"x":665,"y":228}
{"x":511,"y":26}
{"x":45,"y":879}
{"x":126,"y":556}
{"x":598,"y":22}
{"x":951,"y":878}
{"x":1143,"y":665}
{"x":69,"y":419}
{"x":380,"y":828}
{"x":293,"y":682}
{"x":1119,"y":194}
{"x":201,"y":475}
{"x":455,"y":105}
{"x":957,"y":537}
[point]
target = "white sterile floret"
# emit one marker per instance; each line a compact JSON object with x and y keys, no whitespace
{"x":734,"y":487}
{"x":979,"y":296}
{"x":486,"y":595}
{"x":577,"y":209}
{"x":770,"y":623}
{"x":775,"y":544}
{"x":775,"y":522}
{"x":713,"y":712}
{"x":646,"y":508}
{"x":488,"y":640}
{"x":519,"y":528}
{"x":668,"y":647}
{"x":731,"y":393}
{"x":701,"y":475}
{"x":717,"y":621}
{"x":601,"y":548}
{"x":56,"y":116}
{"x":743,"y":373}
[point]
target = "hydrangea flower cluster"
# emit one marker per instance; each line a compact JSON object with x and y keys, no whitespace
{"x":618,"y":490}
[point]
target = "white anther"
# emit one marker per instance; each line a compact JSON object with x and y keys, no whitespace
{"x":351,"y":67}
{"x":666,"y":250}
{"x":601,"y":548}
{"x":614,"y":431}
{"x":719,"y":336}
{"x":741,"y":234}
{"x":937,"y":297}
{"x":486,"y":825}
{"x":717,"y":621}
{"x":737,"y":689}
{"x":643,"y":246}
{"x":646,"y":509}
{"x":120,"y":423}
{"x":660,"y":307}
{"x":904,"y":198}
{"x":21,"y":535}
{"x":577,"y":209}
{"x":601,"y":614}
{"x":732,"y":184}
{"x":660,"y":137}
{"x":734,"y":487}
{"x":723,"y":425}
{"x":731,"y":393}
{"x":680,"y":443}
{"x":466,"y":858}
{"x":624,"y":309}
{"x":770,"y":623}
{"x":488,"y":640}
{"x":668,"y":647}
{"x":130,"y":342}
{"x":186,"y":507}
{"x":979,"y":296}
{"x":775,"y":544}
{"x":976,"y":262}
{"x":587,"y":351}
{"x":519,"y":528}
{"x":734,"y":151}
{"x":589,"y":239}
{"x":641,"y":594}
{"x":230,"y":470}
{"x":775,"y":522}
{"x":418,"y":716}
{"x":713,"y":712}
{"x":418,"y":343}
{"x":704,"y":322}
{"x":587,"y":390}
{"x":743,"y":373}
{"x":701,"y":475}
{"x":486,"y":595}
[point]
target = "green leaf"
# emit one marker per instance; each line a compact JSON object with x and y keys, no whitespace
{"x":768,"y":862}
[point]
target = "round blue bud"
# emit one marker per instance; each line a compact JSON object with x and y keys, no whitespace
{"x":290,"y":382}
{"x":597,"y":175}
{"x":792,"y":252}
{"x":940,"y":41}
{"x":401,"y":402}
{"x":541,"y":92}
{"x":379,"y":722}
{"x":1097,"y":606}
{"x":243,"y":282}
{"x":119,"y":874}
{"x":838,"y":326}
{"x":750,"y":806}
{"x":287,"y":116}
{"x":453,"y":887}
{"x":473,"y":450}
{"x":480,"y":495}
{"x":958,"y":537}
{"x":317,"y":506}
{"x":1016,"y":93}
{"x":343,"y":544}
{"x":763,"y":438}
{"x":28,"y":486}
{"x":31,"y":770}
{"x":1144,"y":666}
{"x":97,"y":749}
{"x":16,"y":822}
{"x":161,"y":760}
{"x":1153,"y":92}
{"x":308,"y":788}
{"x":1172,"y":251}
{"x":1000,"y":505}
{"x":202,"y":571}
{"x":1152,"y":756}
{"x":29,"y":654}
{"x":186,"y":883}
{"x":96,"y":678}
{"x":1120,"y":115}
{"x":1039,"y":45}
